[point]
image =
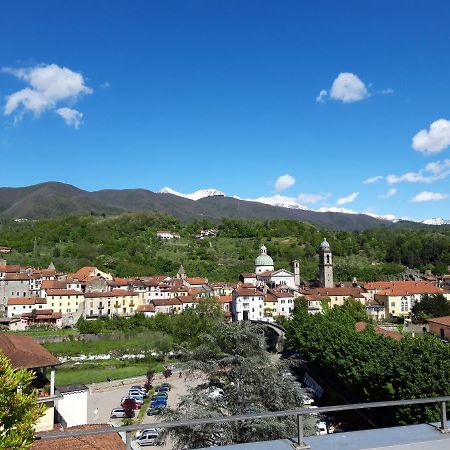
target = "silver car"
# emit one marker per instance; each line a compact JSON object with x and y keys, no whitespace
{"x":119,"y":413}
{"x":148,"y":437}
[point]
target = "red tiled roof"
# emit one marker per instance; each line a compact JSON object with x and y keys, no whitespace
{"x":248,"y":292}
{"x":146,"y":308}
{"x":110,"y":441}
{"x":25,"y":301}
{"x":224,"y":298}
{"x":63,"y":292}
{"x":361,"y":326}
{"x":9,"y":269}
{"x":25,"y":353}
{"x":409,"y":288}
{"x":196,"y":280}
{"x":167,"y":302}
{"x":17,"y":277}
{"x":113,"y":293}
{"x":54,"y":284}
{"x":188,"y":299}
{"x":445,"y":321}
{"x":248,"y":275}
{"x":336,"y":291}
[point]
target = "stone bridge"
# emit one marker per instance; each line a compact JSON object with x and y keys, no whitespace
{"x":275,"y":335}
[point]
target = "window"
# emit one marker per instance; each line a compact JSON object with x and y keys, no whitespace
{"x":393,"y":304}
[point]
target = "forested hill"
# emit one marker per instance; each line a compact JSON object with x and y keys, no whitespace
{"x":53,"y":199}
{"x":127,"y":245}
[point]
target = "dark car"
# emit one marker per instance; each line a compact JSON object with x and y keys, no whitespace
{"x":154,"y":411}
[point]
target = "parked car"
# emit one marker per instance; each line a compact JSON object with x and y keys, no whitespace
{"x":158,"y":403}
{"x":160,"y":395}
{"x":140,"y":389}
{"x":131,"y":401}
{"x":166,"y":385}
{"x":120,"y":413}
{"x":148,"y":438}
{"x":154,"y":411}
{"x":321,"y":428}
{"x":163,"y":389}
{"x":147,"y":430}
{"x":137,"y":397}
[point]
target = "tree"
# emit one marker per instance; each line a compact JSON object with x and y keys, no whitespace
{"x":19,"y":410}
{"x":429,"y":306}
{"x":239,"y":378}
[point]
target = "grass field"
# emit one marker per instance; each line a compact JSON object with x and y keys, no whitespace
{"x":129,"y":344}
{"x":99,"y":371}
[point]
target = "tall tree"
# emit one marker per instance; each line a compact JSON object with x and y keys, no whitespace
{"x":238,"y":376}
{"x":429,"y":306}
{"x":19,"y":410}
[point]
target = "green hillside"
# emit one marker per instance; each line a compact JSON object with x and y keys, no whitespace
{"x":126,"y":245}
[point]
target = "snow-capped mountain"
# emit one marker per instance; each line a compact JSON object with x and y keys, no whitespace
{"x":291,"y":203}
{"x":436,"y":221}
{"x":277,"y":200}
{"x":197,"y":195}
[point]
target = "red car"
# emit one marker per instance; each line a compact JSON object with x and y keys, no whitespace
{"x":130,"y":403}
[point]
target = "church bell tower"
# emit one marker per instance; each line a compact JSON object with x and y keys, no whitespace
{"x":325,"y":265}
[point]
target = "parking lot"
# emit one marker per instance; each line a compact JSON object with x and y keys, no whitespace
{"x":101,"y":402}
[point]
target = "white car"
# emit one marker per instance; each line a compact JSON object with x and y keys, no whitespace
{"x":321,"y":428}
{"x":146,"y":430}
{"x":148,"y":437}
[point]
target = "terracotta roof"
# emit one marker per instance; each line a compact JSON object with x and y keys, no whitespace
{"x":196,"y":280}
{"x":336,"y":291}
{"x":361,"y":326}
{"x":146,"y":308}
{"x":248,"y":292}
{"x":43,"y":314}
{"x":17,"y":277}
{"x":54,"y":284}
{"x":188,"y":299}
{"x":224,"y":298}
{"x":410,"y":288}
{"x":267,"y":273}
{"x":26,"y":301}
{"x":315,"y":297}
{"x":9,"y":269}
{"x":377,"y":285}
{"x":25,"y":353}
{"x":248,"y":275}
{"x":279,"y":293}
{"x":167,"y":302}
{"x":445,"y":320}
{"x":63,"y":292}
{"x":110,"y":441}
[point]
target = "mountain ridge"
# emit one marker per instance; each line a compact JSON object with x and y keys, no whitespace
{"x":51,"y":199}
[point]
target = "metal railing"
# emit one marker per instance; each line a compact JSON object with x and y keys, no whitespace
{"x":299,"y":412}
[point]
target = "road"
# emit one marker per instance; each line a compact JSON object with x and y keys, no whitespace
{"x":100,"y":403}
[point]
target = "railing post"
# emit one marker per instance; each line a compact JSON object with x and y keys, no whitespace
{"x":128,"y":439}
{"x":444,"y":428}
{"x":300,"y":435}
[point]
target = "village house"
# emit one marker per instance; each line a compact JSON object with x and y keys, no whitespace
{"x":68,"y":302}
{"x":168,"y":305}
{"x":440,"y":327}
{"x":337,"y":295}
{"x":166,"y":235}
{"x":148,"y":310}
{"x":398,"y":297}
{"x":36,"y":318}
{"x":24,"y":352}
{"x":16,"y":306}
{"x":247,"y":303}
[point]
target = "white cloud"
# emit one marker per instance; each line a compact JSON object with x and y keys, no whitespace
{"x":387,"y":91}
{"x":372,"y":180}
{"x":349,"y":199}
{"x":312,"y":198}
{"x":348,"y":88}
{"x":435,"y":140}
{"x":390,"y":193}
{"x":48,"y":86}
{"x":105,"y":85}
{"x":283,"y":182}
{"x":72,"y":117}
{"x":322,"y":95}
{"x":429,"y":196}
{"x":433,"y":171}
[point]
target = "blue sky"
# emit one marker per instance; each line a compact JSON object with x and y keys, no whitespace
{"x":225,"y":94}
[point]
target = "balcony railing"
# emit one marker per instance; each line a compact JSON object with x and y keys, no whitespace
{"x":299,"y":412}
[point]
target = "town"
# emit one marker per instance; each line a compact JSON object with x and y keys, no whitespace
{"x":46,"y":297}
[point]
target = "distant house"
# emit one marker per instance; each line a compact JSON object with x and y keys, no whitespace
{"x":166,"y":235}
{"x":147,"y":310}
{"x":440,"y":327}
{"x":88,"y":273}
{"x":5,"y":250}
{"x":247,"y":303}
{"x":24,"y":352}
{"x":16,"y":306}
{"x":361,"y":326}
{"x":40,"y":317}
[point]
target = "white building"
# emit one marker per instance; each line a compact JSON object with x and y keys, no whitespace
{"x":164,"y":234}
{"x":263,"y":262}
{"x":247,"y":303}
{"x":16,"y":306}
{"x":72,"y":404}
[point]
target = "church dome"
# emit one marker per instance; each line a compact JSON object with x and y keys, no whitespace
{"x":263,"y":259}
{"x":325,"y":245}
